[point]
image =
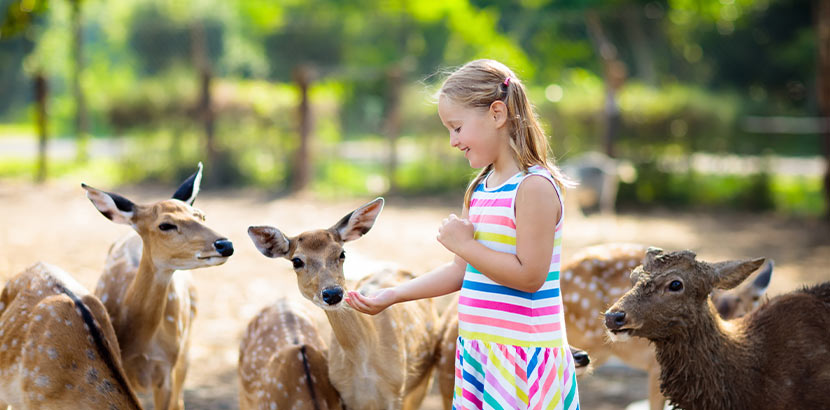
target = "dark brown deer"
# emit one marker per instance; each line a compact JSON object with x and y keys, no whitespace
{"x":777,"y":357}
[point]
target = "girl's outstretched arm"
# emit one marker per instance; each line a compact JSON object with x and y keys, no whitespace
{"x":538,"y":208}
{"x":440,"y":281}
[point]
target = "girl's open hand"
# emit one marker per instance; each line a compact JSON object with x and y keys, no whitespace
{"x":374,"y":304}
{"x":455,"y":232}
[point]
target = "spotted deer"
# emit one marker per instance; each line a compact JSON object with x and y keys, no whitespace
{"x":58,"y":350}
{"x":375,"y":362}
{"x":777,"y":357}
{"x":283,"y":362}
{"x":593,"y":279}
{"x":150,"y":301}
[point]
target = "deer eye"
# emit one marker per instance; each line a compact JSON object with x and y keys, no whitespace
{"x":676,"y":286}
{"x":298,"y":263}
{"x":167,"y":227}
{"x":343,"y":255}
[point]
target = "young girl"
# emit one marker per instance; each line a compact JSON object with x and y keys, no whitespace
{"x":512,"y":351}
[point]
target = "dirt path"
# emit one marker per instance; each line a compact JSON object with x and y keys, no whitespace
{"x":57,"y":224}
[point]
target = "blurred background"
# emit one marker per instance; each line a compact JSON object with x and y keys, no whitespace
{"x":724,"y":96}
{"x":696,"y":124}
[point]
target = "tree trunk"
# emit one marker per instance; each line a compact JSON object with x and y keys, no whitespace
{"x":40,"y":102}
{"x":614,"y":76}
{"x":822,"y":21}
{"x":204,"y":109}
{"x":301,"y":173}
{"x":632,"y":20}
{"x":392,"y":122}
{"x":82,"y":138}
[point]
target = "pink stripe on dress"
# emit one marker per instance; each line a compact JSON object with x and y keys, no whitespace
{"x":508,"y":324}
{"x":510,"y":308}
{"x":503,"y":202}
{"x":493,"y":219}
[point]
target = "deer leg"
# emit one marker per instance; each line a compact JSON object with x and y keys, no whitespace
{"x":656,"y":400}
{"x":162,"y":395}
{"x":177,"y":395}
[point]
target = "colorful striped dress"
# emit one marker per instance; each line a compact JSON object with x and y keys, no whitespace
{"x":512,"y":351}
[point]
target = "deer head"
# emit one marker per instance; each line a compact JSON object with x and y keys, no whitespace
{"x":173,"y":231}
{"x":318,"y":255}
{"x":670,"y":293}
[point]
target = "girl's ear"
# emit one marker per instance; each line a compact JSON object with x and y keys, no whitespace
{"x":498,"y":110}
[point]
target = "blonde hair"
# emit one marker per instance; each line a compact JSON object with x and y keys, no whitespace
{"x":478,"y":84}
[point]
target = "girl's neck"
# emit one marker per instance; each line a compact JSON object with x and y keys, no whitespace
{"x":503,"y":169}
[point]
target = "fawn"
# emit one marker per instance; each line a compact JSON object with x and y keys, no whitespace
{"x":150,"y":302}
{"x":777,"y":357}
{"x":283,"y":362}
{"x":58,"y":350}
{"x":375,"y":362}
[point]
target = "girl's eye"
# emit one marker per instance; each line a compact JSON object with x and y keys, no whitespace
{"x":343,"y":255}
{"x":676,"y":286}
{"x":167,"y":227}
{"x":298,"y":263}
{"x":457,"y":130}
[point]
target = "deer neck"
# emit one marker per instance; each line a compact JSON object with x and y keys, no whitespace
{"x":706,"y":365}
{"x":144,"y":303}
{"x":351,"y":329}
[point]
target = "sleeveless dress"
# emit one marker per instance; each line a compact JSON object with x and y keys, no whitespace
{"x":512,"y":351}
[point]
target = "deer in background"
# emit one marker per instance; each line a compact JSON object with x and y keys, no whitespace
{"x":152,"y":304}
{"x":592,"y":280}
{"x":58,"y":350}
{"x":375,"y":362}
{"x":283,"y":362}
{"x":777,"y":357}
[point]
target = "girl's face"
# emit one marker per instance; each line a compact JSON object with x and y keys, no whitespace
{"x":476,"y":132}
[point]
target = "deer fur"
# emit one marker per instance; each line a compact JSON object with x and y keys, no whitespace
{"x":375,"y":362}
{"x":283,"y":362}
{"x":58,"y":350}
{"x":777,"y":357}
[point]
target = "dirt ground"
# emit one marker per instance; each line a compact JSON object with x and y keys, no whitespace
{"x":57,"y":224}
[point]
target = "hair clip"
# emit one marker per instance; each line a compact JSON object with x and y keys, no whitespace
{"x":507,"y":81}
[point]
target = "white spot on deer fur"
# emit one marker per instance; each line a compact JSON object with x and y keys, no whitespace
{"x":4,"y":347}
{"x":170,"y":319}
{"x":104,"y":297}
{"x":592,"y":286}
{"x":273,"y":406}
{"x":42,"y":381}
{"x":585,"y":303}
{"x":568,"y":274}
{"x":52,"y":353}
{"x":14,"y":342}
{"x":2,"y":306}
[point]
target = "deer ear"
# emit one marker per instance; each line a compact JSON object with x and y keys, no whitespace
{"x":115,"y":207}
{"x":761,"y":282}
{"x":190,"y":187}
{"x":730,"y":274}
{"x":360,"y":221}
{"x":270,"y":241}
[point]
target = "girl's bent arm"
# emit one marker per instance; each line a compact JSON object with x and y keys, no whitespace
{"x":538,"y":208}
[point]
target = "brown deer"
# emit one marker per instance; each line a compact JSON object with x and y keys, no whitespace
{"x":592,"y":280}
{"x":375,"y":362}
{"x":58,"y":350}
{"x":283,"y":362}
{"x":150,"y":302}
{"x":777,"y":357}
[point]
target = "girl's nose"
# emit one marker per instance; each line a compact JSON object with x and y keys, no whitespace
{"x":453,"y":141}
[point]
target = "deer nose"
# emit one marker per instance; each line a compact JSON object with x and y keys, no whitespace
{"x":581,"y":359}
{"x":614,"y":320}
{"x":332,"y":295}
{"x":224,"y":247}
